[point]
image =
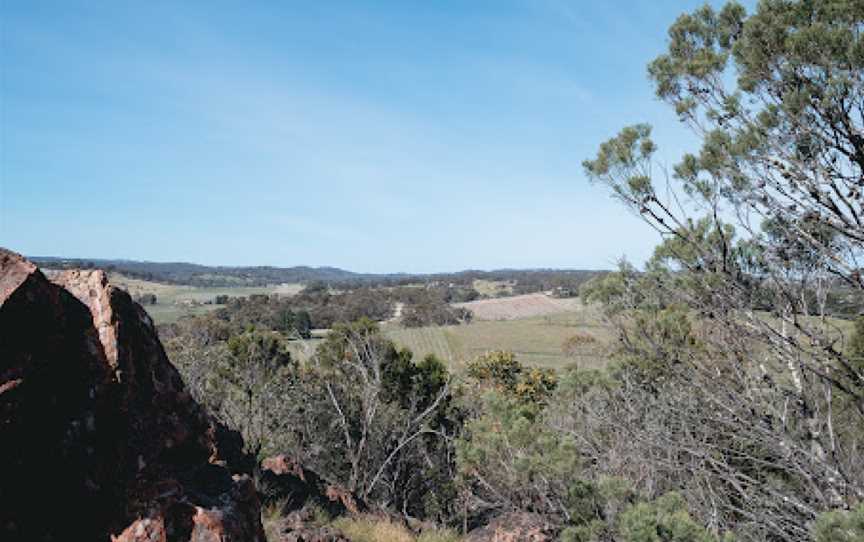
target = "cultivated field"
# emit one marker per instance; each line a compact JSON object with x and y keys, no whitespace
{"x":535,"y":341}
{"x":521,"y":306}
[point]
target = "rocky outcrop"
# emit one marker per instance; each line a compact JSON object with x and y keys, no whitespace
{"x":514,"y":527}
{"x":299,"y":493}
{"x":99,"y":440}
{"x":296,"y":486}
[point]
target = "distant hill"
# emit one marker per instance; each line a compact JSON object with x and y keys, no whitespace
{"x":203,"y":275}
{"x":219,"y":276}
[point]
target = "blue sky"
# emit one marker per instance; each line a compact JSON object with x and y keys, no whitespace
{"x":376,"y":136}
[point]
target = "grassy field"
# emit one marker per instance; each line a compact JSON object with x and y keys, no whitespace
{"x":174,"y":301}
{"x":535,"y":341}
{"x":494,"y":288}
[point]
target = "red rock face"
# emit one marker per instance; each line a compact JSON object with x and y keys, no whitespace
{"x":99,"y":439}
{"x":296,"y":486}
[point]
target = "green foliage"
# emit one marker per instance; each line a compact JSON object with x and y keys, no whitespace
{"x":512,"y":460}
{"x":668,"y":331}
{"x":380,"y":424}
{"x":500,"y":370}
{"x":429,"y":377}
{"x":687,"y":250}
{"x":344,"y":341}
{"x":266,"y":350}
{"x":655,"y":331}
{"x":840,"y":526}
{"x":775,"y":97}
{"x":593,"y":531}
{"x":614,"y":291}
{"x":579,"y":382}
{"x":402,"y":380}
{"x":297,"y":315}
{"x":298,"y":324}
{"x":626,"y":156}
{"x":664,"y":520}
{"x":497,"y":367}
{"x":536,"y":384}
{"x":793,"y":252}
{"x":431,"y":306}
{"x":239,"y":379}
{"x":856,"y":344}
{"x":797,"y":65}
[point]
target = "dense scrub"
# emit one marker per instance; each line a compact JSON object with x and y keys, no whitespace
{"x":361,"y":412}
{"x":587,"y":449}
{"x":413,"y":440}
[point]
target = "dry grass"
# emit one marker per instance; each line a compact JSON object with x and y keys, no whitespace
{"x":271,"y":519}
{"x":439,"y":535}
{"x":535,"y":341}
{"x":372,"y":529}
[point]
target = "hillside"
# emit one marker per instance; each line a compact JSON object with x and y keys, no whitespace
{"x":190,"y":274}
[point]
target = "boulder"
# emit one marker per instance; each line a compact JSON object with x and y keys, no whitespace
{"x":99,"y":439}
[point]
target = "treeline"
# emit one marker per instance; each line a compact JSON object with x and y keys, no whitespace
{"x":526,"y":281}
{"x":318,"y":307}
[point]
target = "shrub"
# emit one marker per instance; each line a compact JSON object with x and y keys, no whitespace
{"x":663,"y":520}
{"x":840,"y":526}
{"x":500,"y":370}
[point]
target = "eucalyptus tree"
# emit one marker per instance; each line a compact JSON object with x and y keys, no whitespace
{"x":763,"y":414}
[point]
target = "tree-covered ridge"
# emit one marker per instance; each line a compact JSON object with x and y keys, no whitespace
{"x":526,"y":280}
